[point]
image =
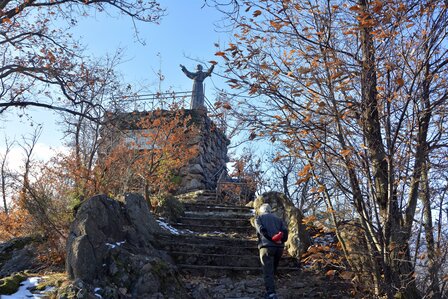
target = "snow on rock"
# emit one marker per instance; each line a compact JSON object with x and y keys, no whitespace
{"x":115,"y":244}
{"x":168,"y":227}
{"x":96,"y":293}
{"x":173,"y":230}
{"x":24,"y":290}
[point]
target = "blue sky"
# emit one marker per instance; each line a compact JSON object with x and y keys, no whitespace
{"x":185,"y":34}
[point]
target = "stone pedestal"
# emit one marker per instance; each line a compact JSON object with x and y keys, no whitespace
{"x":203,"y":171}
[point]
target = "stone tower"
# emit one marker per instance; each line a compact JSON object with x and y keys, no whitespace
{"x":203,"y":171}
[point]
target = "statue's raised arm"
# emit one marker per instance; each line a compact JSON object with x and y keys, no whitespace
{"x":197,"y":94}
{"x":186,"y":72}
{"x":210,"y":70}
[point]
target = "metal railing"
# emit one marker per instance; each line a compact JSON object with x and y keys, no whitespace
{"x":164,"y":100}
{"x":215,"y":115}
{"x":152,"y":101}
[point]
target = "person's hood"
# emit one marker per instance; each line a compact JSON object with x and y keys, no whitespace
{"x":265,"y":209}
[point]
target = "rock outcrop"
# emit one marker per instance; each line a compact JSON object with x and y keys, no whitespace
{"x":357,"y":251}
{"x":19,"y":254}
{"x":110,"y":251}
{"x":299,"y":239}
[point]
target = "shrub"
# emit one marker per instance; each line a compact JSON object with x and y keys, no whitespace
{"x":167,"y":206}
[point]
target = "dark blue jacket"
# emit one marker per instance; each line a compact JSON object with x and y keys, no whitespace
{"x":267,"y":225}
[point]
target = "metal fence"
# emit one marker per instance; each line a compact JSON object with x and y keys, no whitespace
{"x":165,"y":100}
{"x":152,"y":101}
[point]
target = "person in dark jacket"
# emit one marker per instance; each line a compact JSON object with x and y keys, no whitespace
{"x":272,"y":234}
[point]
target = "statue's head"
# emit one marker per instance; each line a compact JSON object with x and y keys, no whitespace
{"x":199,"y":67}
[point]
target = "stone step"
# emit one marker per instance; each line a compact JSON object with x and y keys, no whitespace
{"x":197,"y":194}
{"x":214,"y":229}
{"x":223,"y":214}
{"x":227,"y":260}
{"x":206,"y":199}
{"x":216,"y":207}
{"x":221,"y":271}
{"x":208,"y":192}
{"x":216,"y":221}
{"x":203,"y":196}
{"x":209,"y":248}
{"x":215,"y":241}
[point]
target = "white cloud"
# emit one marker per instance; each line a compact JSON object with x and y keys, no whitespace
{"x":41,"y":153}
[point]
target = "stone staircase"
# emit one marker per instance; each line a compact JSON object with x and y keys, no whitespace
{"x":217,"y":240}
{"x":215,"y":249}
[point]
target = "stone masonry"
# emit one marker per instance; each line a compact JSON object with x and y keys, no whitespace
{"x":203,"y":171}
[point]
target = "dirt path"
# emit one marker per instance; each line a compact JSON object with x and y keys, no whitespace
{"x":305,"y":285}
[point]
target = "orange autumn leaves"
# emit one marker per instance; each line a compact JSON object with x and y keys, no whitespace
{"x":150,"y":156}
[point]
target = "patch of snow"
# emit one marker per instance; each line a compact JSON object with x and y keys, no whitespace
{"x":96,"y":290}
{"x":24,"y":292}
{"x":173,"y":230}
{"x":168,"y":227}
{"x":116,"y":244}
{"x":111,"y":245}
{"x":217,"y":232}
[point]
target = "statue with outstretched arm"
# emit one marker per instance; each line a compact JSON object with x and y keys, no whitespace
{"x":197,"y":95}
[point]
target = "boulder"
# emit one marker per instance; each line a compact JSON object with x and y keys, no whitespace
{"x":168,"y":207}
{"x":299,"y":239}
{"x":9,"y":285}
{"x":110,"y":250}
{"x":19,"y":254}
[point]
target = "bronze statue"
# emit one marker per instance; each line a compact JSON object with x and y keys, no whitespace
{"x":197,"y":95}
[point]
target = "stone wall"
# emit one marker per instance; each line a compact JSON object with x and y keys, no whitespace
{"x":203,"y":171}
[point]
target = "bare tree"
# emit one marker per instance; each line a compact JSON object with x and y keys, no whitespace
{"x":5,"y":174}
{"x":28,"y":145}
{"x":40,"y":63}
{"x":83,"y":134}
{"x":357,"y":91}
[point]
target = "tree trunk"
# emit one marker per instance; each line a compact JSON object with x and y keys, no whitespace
{"x":398,"y":271}
{"x":434,"y":291}
{"x":371,"y":125}
{"x":5,"y":204}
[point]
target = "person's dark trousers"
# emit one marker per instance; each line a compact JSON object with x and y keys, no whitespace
{"x":270,"y":257}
